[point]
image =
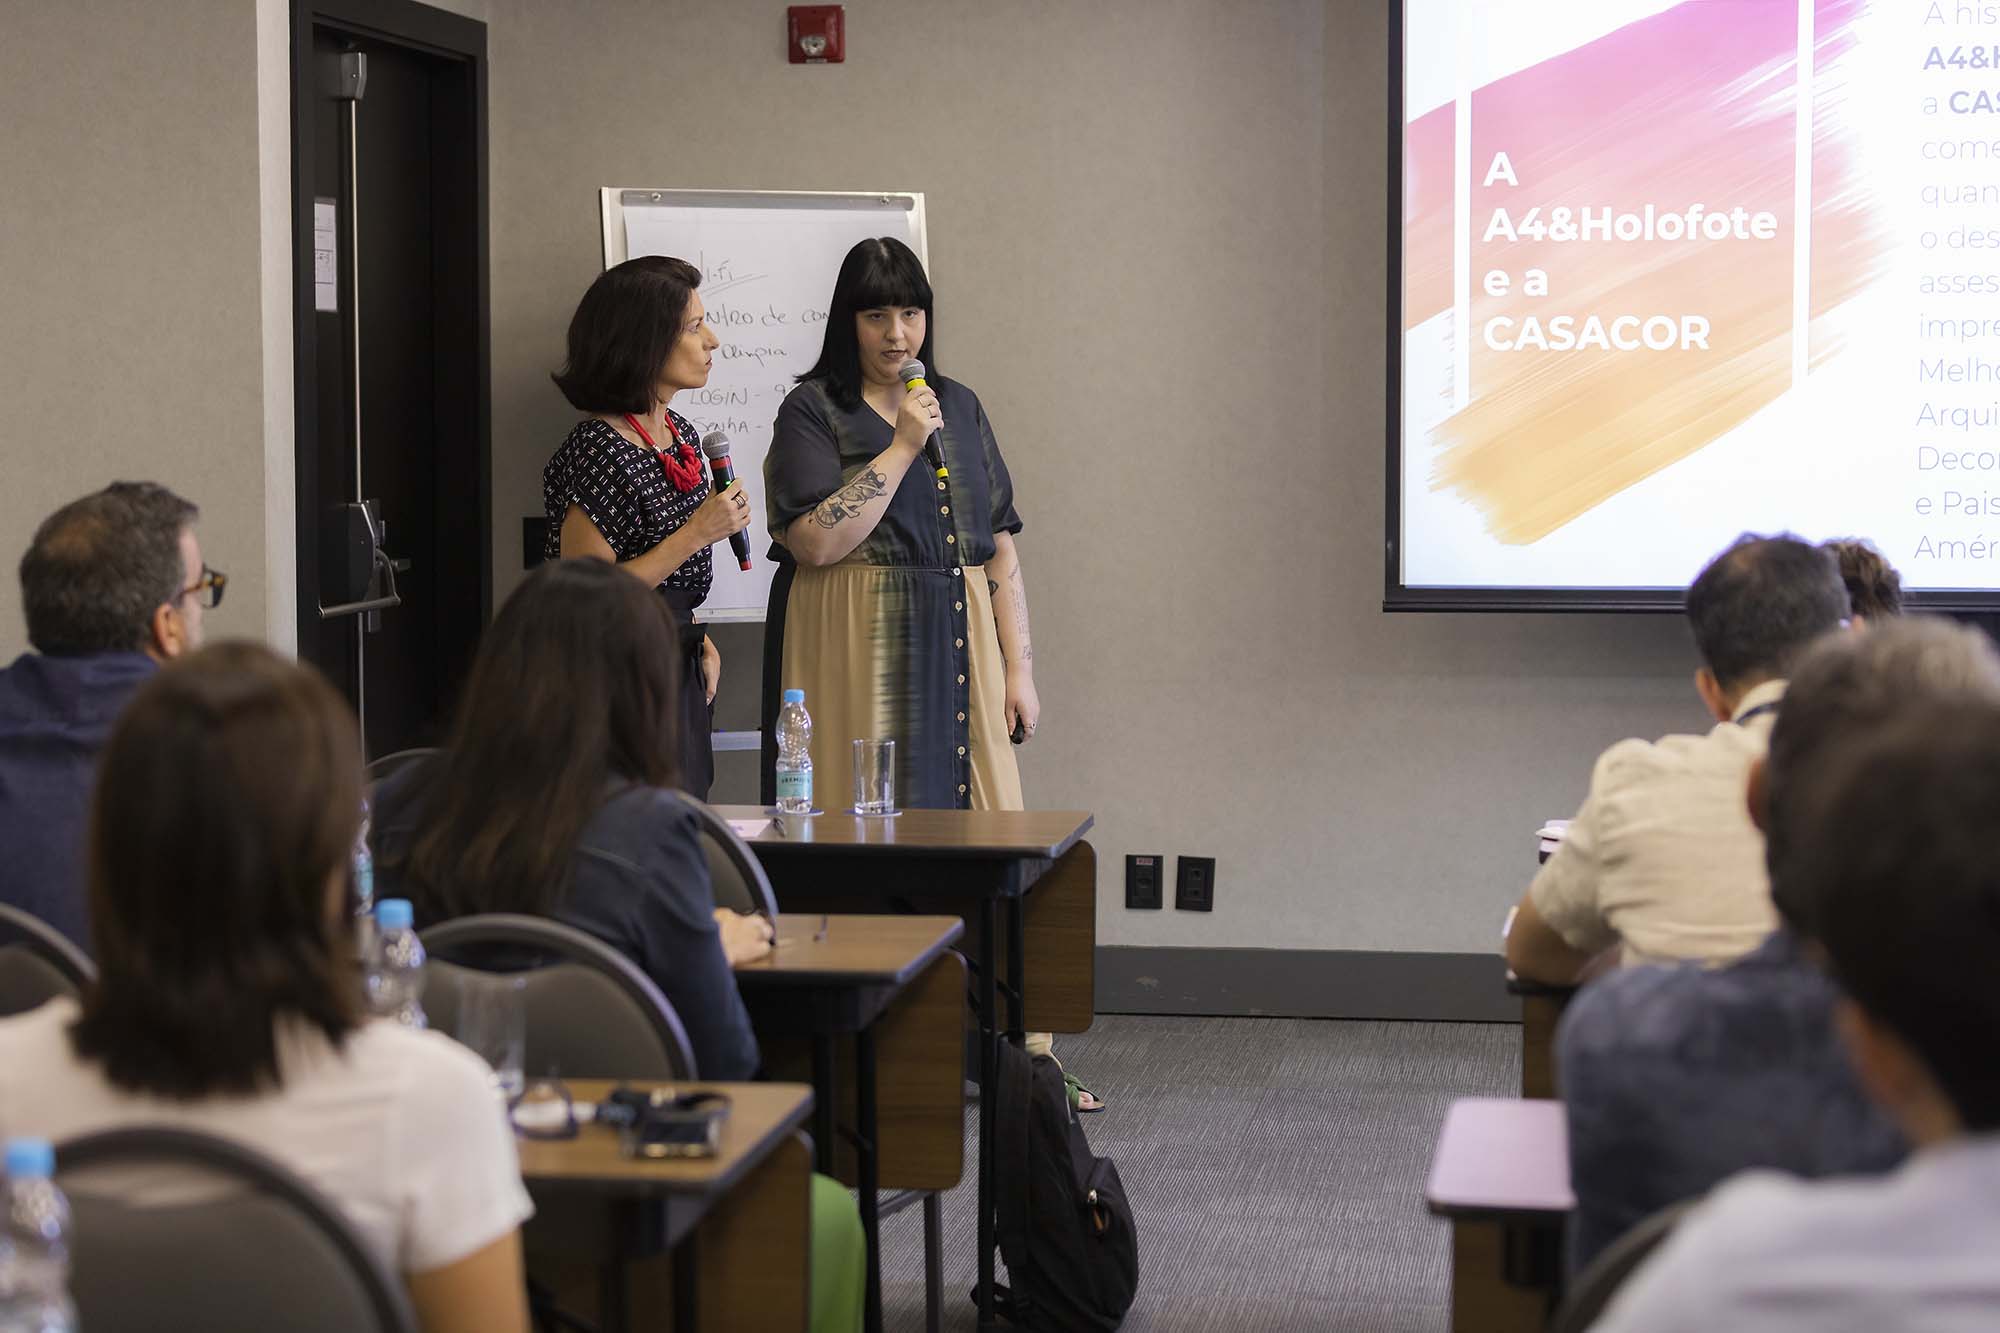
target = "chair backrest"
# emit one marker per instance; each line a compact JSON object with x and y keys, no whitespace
{"x":37,"y":963}
{"x":733,"y":869}
{"x":591,"y":1012}
{"x":390,"y":764}
{"x":253,"y":1247}
{"x":1599,"y":1282}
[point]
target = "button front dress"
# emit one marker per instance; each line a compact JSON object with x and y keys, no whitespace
{"x":897,"y":640}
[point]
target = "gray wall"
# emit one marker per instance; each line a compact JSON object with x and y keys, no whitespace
{"x":131,"y":329}
{"x":1184,"y":199}
{"x":1180,"y":196}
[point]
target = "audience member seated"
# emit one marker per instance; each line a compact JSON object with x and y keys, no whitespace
{"x":1661,"y":862}
{"x":1893,"y":868}
{"x":1678,"y":1077}
{"x":554,"y":797}
{"x":112,"y":585}
{"x":228,"y":800}
{"x":1874,"y":588}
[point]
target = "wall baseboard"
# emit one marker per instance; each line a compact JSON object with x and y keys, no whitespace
{"x":1305,"y":983}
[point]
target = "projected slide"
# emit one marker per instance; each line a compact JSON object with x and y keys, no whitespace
{"x":1674,"y":271}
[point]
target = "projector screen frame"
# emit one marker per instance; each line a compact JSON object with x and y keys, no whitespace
{"x":1396,"y":596}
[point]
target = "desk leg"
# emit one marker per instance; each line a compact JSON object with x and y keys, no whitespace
{"x":1539,"y":1016}
{"x":989,"y":1079}
{"x":826,"y":1094}
{"x":868,"y":1168}
{"x":1483,"y":1298}
{"x":611,"y":1314}
{"x":1017,"y":1002}
{"x":933,"y":1262}
{"x":687,"y":1318}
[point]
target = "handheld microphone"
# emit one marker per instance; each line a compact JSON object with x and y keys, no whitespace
{"x":716,"y":445}
{"x":913,"y":378}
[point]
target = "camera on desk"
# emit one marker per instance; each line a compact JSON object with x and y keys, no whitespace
{"x":662,"y":1123}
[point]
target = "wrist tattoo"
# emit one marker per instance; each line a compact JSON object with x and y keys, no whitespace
{"x":846,"y":502}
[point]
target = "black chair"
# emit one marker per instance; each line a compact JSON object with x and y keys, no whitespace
{"x":591,"y":1012}
{"x":1601,"y":1277}
{"x":389,"y":765}
{"x":37,"y":963}
{"x":737,"y":875}
{"x":253,"y":1245}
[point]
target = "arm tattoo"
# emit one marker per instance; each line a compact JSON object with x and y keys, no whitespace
{"x":991,"y":588}
{"x":1018,"y":594}
{"x":846,"y":502}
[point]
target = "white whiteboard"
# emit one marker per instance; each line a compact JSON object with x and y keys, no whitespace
{"x":767,"y":261}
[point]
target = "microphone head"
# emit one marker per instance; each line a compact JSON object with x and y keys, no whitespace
{"x":912,"y":370}
{"x":715,"y":444}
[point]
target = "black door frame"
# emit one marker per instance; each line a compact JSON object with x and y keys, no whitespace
{"x":451,"y":37}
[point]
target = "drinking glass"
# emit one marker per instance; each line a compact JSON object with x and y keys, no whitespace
{"x":493,"y":1024}
{"x":875,"y":777}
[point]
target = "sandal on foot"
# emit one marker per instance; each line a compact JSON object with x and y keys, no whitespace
{"x":1080,"y":1097}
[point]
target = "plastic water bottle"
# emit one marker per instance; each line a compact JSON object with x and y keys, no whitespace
{"x":795,"y":761}
{"x":34,"y":1251}
{"x":364,"y":869}
{"x":396,"y":968}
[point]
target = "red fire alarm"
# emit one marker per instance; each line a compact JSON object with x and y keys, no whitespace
{"x":816,"y":37}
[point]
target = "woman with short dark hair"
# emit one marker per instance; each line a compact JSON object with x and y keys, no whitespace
{"x":627,"y":485}
{"x":227,"y":804}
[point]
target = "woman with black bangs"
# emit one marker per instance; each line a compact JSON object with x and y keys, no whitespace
{"x":897,"y":604}
{"x":627,"y":485}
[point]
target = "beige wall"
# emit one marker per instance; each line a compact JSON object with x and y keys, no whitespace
{"x":1157,"y":239}
{"x":131,"y":292}
{"x":1157,"y":236}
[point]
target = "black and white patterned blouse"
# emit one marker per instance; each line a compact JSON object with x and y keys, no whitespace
{"x":622,"y":487}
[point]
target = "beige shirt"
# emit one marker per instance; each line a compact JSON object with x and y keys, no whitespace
{"x":1663,"y":858}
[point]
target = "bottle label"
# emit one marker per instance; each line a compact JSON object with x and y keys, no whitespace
{"x":795,"y":784}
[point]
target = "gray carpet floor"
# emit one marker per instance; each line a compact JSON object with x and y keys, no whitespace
{"x":1275,"y":1167}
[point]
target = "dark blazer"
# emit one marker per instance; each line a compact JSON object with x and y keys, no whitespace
{"x":639,"y":882}
{"x":55,"y":715}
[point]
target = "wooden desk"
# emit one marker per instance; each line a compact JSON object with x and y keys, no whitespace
{"x":987,"y":865}
{"x":894,"y":986}
{"x":1541,"y":1010}
{"x":740,"y":1220}
{"x":1542,"y":1005}
{"x":1501,"y":1174}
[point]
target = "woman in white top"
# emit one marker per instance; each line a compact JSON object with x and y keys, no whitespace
{"x":227,"y":804}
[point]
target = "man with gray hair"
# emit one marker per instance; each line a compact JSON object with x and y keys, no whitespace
{"x":112,"y":585}
{"x":1675,"y":1077}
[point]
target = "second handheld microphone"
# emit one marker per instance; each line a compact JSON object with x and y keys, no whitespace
{"x":716,"y":445}
{"x":913,"y":378}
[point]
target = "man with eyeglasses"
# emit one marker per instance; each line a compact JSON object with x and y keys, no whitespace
{"x":112,"y":585}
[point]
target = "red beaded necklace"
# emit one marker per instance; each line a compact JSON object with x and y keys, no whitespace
{"x":683,"y":464}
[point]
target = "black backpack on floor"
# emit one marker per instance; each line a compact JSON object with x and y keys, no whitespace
{"x":1064,"y":1226}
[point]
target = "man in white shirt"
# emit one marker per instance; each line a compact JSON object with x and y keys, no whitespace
{"x":1662,"y":861}
{"x":1895,"y":869}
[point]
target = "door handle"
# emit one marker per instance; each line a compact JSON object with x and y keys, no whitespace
{"x":386,"y":568}
{"x":352,"y":551}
